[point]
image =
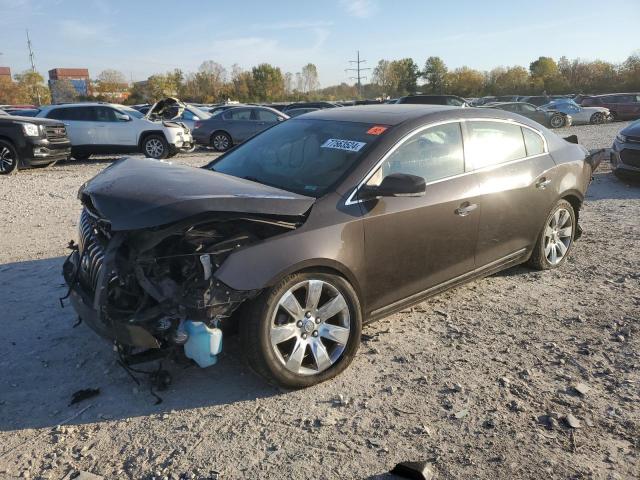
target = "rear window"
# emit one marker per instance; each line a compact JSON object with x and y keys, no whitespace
{"x":302,"y":155}
{"x":491,"y":143}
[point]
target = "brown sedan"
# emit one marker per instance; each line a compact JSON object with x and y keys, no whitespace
{"x":317,"y":225}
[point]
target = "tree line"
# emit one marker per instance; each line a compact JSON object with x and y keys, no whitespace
{"x":213,"y":83}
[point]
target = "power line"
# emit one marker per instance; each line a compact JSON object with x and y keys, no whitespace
{"x":359,"y":77}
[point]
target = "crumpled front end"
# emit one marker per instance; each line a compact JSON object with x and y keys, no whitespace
{"x":138,"y":288}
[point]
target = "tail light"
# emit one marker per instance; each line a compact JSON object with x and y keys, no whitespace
{"x":197,"y":124}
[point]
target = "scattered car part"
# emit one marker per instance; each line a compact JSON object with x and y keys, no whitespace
{"x":413,"y":470}
{"x":81,"y":395}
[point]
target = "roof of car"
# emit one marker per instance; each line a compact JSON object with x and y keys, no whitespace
{"x":386,"y":114}
{"x":82,"y":104}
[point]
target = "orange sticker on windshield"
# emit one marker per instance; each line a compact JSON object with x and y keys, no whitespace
{"x":377,"y":130}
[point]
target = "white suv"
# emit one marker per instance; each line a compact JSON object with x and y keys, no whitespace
{"x":95,"y":128}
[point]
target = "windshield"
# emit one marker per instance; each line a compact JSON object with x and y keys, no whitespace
{"x":201,"y":114}
{"x":132,"y":112}
{"x":303,"y":156}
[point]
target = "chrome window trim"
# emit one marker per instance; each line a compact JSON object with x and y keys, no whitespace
{"x":352,"y":201}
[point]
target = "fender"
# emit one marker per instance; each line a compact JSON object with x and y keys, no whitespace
{"x":144,"y":133}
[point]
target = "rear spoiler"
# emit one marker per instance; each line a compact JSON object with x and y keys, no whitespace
{"x":572,"y":139}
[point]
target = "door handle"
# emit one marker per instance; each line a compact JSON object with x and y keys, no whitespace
{"x":465,"y":209}
{"x":543,"y":183}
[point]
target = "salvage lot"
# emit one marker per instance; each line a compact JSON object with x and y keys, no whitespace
{"x":478,"y":381}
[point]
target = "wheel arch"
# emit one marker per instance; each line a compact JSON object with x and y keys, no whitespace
{"x":220,"y":130}
{"x":575,"y":198}
{"x":143,"y":136}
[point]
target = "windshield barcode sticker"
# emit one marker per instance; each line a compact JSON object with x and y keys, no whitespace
{"x":348,"y":145}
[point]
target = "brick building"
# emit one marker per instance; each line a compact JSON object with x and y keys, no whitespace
{"x":79,"y":78}
{"x":5,"y":73}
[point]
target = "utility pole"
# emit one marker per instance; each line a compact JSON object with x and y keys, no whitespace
{"x":33,"y":65}
{"x":359,"y":77}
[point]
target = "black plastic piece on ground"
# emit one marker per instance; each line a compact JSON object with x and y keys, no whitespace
{"x":413,"y":470}
{"x":81,"y":395}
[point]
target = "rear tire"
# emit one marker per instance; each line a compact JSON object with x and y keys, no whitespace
{"x":302,"y":349}
{"x":8,"y":158}
{"x":155,"y":146}
{"x":221,"y":141}
{"x":555,"y":241}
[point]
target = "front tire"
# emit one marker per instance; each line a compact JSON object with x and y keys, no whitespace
{"x":221,"y":141}
{"x":557,"y":121}
{"x":598,"y":118}
{"x":8,"y":158}
{"x":155,"y":146}
{"x":555,"y":241}
{"x":303,"y":331}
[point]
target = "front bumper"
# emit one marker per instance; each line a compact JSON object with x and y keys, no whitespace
{"x":89,"y":307}
{"x":625,"y":157}
{"x":39,"y":151}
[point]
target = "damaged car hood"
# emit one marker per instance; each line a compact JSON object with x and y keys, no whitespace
{"x":166,"y":109}
{"x":142,"y":193}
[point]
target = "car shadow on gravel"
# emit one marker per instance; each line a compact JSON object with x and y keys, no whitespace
{"x":44,"y":360}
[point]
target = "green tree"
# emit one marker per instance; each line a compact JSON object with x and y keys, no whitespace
{"x":33,"y":87}
{"x":435,"y":74}
{"x":310,"y":82}
{"x":267,"y":83}
{"x":384,"y":77}
{"x":465,"y":82}
{"x":405,"y":72}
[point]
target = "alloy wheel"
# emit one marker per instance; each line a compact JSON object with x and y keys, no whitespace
{"x":221,"y":142}
{"x":154,"y":148}
{"x":7,"y":160}
{"x":310,"y":327}
{"x":558,"y":236}
{"x":557,"y":121}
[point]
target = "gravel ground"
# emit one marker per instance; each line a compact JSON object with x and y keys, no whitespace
{"x":479,"y":381}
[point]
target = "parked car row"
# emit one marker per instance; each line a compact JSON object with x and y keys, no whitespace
{"x":84,"y":129}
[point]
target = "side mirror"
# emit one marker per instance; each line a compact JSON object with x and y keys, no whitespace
{"x":195,"y":118}
{"x":394,"y":185}
{"x":124,"y":118}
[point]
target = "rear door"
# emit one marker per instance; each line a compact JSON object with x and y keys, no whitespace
{"x":415,"y":243}
{"x":240,"y":124}
{"x":627,"y":107}
{"x":81,"y":128}
{"x":515,"y":178}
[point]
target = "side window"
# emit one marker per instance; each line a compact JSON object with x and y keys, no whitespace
{"x":238,"y":114}
{"x":532,"y":141}
{"x":81,"y":114}
{"x":492,"y":143}
{"x":527,"y":108}
{"x":59,"y":114}
{"x":105,"y":114}
{"x":454,"y":102}
{"x":432,"y":154}
{"x":266,"y":116}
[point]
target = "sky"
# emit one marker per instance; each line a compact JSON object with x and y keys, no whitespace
{"x":141,"y":37}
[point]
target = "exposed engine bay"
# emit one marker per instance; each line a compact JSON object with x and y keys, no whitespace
{"x":156,"y":288}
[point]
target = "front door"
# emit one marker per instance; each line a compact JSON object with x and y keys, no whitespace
{"x":515,"y":179}
{"x":241,"y":126}
{"x":414,"y":243}
{"x":114,"y":130}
